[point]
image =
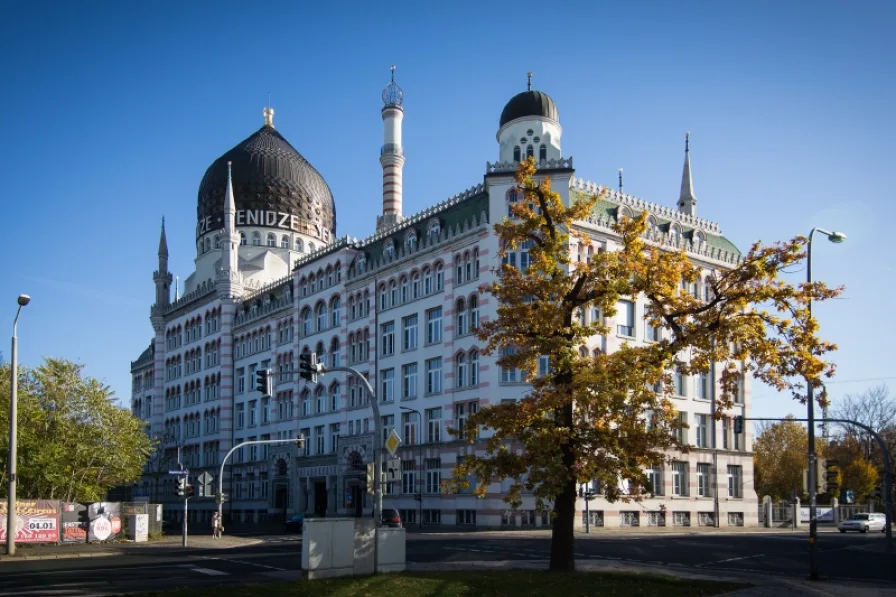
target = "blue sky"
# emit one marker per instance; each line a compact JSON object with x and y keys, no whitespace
{"x":113,"y":111}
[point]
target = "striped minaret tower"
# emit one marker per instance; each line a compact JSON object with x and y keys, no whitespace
{"x":391,"y":155}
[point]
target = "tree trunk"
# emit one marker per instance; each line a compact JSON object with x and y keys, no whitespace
{"x":562,"y":534}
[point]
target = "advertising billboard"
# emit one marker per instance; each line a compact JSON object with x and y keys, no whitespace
{"x":37,"y":521}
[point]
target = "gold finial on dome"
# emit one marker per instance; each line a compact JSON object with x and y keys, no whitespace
{"x":268,"y":116}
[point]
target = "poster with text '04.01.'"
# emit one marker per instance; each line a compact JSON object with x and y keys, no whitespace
{"x":37,"y":521}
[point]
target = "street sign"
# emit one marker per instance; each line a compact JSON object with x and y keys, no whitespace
{"x":205,"y":478}
{"x":179,"y":473}
{"x":393,"y":470}
{"x":393,"y":442}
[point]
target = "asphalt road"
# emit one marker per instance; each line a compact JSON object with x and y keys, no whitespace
{"x":279,"y":558}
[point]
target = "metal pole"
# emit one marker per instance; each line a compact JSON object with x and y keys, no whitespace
{"x":587,"y":513}
{"x":186,"y":500}
{"x":377,"y":458}
{"x":13,"y":431}
{"x":813,"y":482}
{"x":220,"y":496}
{"x":712,"y":423}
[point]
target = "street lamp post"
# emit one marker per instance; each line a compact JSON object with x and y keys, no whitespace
{"x":24,"y":299}
{"x":834,"y":237}
{"x":418,"y":494}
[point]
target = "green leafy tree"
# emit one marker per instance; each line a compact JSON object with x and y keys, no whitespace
{"x":780,"y":458}
{"x":74,"y":442}
{"x":600,"y":417}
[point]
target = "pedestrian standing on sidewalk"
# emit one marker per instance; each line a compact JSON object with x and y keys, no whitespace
{"x":216,"y":526}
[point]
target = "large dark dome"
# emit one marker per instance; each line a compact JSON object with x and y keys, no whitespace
{"x":269,"y":176}
{"x":529,"y":103}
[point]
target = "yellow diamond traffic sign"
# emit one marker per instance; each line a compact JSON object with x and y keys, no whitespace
{"x":392,"y":442}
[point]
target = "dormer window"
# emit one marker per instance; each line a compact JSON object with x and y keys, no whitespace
{"x":435,"y":229}
{"x":411,"y":241}
{"x":389,"y":251}
{"x":675,"y":233}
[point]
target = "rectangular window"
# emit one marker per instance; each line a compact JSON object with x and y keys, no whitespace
{"x":703,"y":386}
{"x":433,"y":517}
{"x":409,"y":422}
{"x":409,"y":380}
{"x":739,"y":391}
{"x":409,"y":332}
{"x":625,"y":318}
{"x":655,"y":476}
{"x":726,"y":431}
{"x":319,"y":438}
{"x":679,"y":478}
{"x":434,"y":425}
{"x":735,"y":481}
{"x":240,"y":415}
{"x":253,"y":413}
{"x":387,"y":385}
{"x":433,"y":475}
{"x":652,"y":332}
{"x":265,"y":410}
{"x":434,"y":375}
{"x":240,"y":380}
{"x":434,"y":326}
{"x":462,"y":410}
{"x":306,"y":445}
{"x":681,"y":433}
{"x":738,"y":441}
{"x":408,"y":477}
{"x":334,"y":437}
{"x":680,"y":384}
{"x":704,"y":488}
{"x":466,"y":517}
{"x":702,"y":431}
{"x":388,"y":337}
{"x":388,"y":425}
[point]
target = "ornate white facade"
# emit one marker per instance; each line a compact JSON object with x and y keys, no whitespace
{"x":401,"y":306}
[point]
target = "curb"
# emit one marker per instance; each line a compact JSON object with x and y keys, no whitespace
{"x":136,"y":548}
{"x":61,"y":556}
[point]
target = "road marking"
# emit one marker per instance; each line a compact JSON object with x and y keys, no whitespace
{"x":758,"y":555}
{"x":239,"y":562}
{"x":210,"y":572}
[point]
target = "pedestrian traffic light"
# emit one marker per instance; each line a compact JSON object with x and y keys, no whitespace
{"x":181,"y":488}
{"x":308,"y":366}
{"x":738,"y":425}
{"x":264,"y":383}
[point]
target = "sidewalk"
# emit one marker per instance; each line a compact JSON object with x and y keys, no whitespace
{"x":767,"y":586}
{"x":26,"y":552}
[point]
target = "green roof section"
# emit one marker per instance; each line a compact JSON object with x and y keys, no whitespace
{"x":606,"y":209}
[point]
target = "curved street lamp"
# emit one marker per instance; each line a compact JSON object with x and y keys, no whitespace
{"x":23,"y":300}
{"x":837,"y":238}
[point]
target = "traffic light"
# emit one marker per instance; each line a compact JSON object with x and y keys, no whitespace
{"x":308,"y":366}
{"x":191,"y":491}
{"x":264,"y":382}
{"x":738,"y":425}
{"x":300,"y":441}
{"x":181,"y":488}
{"x":831,"y":475}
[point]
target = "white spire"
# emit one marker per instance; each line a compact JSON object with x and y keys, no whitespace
{"x":392,"y":154}
{"x":687,"y":202}
{"x":229,"y":202}
{"x":230,"y":282}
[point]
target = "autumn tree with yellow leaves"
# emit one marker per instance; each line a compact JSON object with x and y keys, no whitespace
{"x":599,"y":417}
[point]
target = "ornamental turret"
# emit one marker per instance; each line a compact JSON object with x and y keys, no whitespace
{"x":687,"y":202}
{"x":162,"y":277}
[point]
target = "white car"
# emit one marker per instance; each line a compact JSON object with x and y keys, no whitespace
{"x":869,"y":521}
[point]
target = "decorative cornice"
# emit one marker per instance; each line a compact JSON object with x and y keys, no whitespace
{"x":511,"y":167}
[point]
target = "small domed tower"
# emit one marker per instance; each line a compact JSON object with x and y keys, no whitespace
{"x":529,"y":126}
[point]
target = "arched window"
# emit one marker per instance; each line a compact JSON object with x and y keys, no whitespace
{"x":320,"y":398}
{"x":583,"y":352}
{"x":299,"y":245}
{"x":311,"y":247}
{"x":427,"y":281}
{"x":242,"y":239}
{"x":674,"y":234}
{"x":440,"y":277}
{"x":305,"y":398}
{"x":434,"y":230}
{"x":384,"y":297}
{"x":415,"y":285}
{"x":460,"y":315}
{"x":329,"y":276}
{"x":516,"y":153}
{"x":272,"y":239}
{"x":256,"y":239}
{"x":352,"y":308}
{"x":321,"y":317}
{"x":393,"y":293}
{"x":321,"y":352}
{"x":460,"y":370}
{"x":335,"y":354}
{"x":474,"y":312}
{"x":476,"y":263}
{"x":312,"y":282}
{"x":366,"y":303}
{"x":411,"y":240}
{"x":389,"y":250}
{"x":306,"y":322}
{"x":530,"y":152}
{"x":284,"y":242}
{"x":458,"y":269}
{"x":474,"y":367}
{"x":208,"y":244}
{"x":334,"y":397}
{"x":352,"y":349}
{"x":335,"y":312}
{"x":217,"y":241}
{"x":468,"y":267}
{"x":405,"y":290}
{"x":542,"y":153}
